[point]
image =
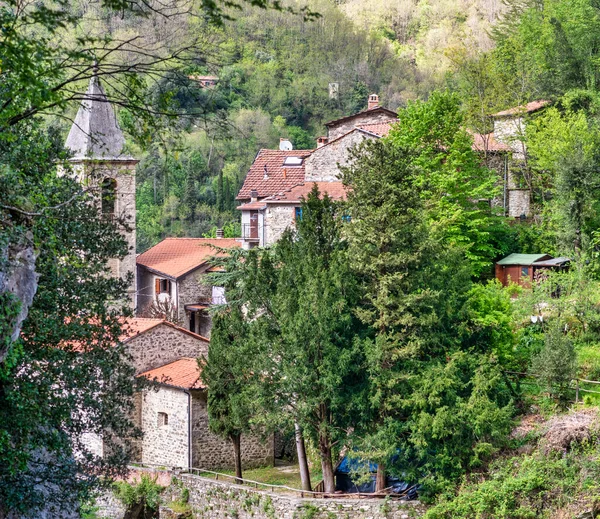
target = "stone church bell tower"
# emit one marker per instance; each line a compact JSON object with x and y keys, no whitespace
{"x":96,"y":143}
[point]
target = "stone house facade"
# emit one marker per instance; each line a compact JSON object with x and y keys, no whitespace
{"x":174,"y":419}
{"x":509,"y":130}
{"x":278,"y":179}
{"x":171,"y":275}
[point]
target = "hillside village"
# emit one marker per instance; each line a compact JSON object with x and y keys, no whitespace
{"x":299,"y":260}
{"x":169,"y":279}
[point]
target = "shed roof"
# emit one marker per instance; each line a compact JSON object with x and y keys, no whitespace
{"x":522,"y":259}
{"x":554,"y":262}
{"x":95,"y":133}
{"x":184,"y":373}
{"x":175,"y":257}
{"x":276,"y":177}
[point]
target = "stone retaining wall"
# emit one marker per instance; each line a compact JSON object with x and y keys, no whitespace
{"x":210,"y":499}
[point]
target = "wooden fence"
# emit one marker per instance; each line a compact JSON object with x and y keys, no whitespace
{"x":576,"y":381}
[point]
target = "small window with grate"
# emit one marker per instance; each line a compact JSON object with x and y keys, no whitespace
{"x":163,"y":419}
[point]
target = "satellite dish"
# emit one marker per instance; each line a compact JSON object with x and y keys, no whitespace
{"x":285,"y":145}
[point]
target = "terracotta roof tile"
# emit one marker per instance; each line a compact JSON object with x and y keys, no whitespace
{"x":183,"y":373}
{"x":363,"y":112}
{"x":279,"y":177}
{"x":487,"y":142}
{"x":534,"y":106}
{"x":379,"y":129}
{"x":175,"y":257}
{"x":335,"y":190}
{"x":251,"y":205}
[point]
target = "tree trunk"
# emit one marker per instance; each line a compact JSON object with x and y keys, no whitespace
{"x":326,"y":464}
{"x":237,"y":451}
{"x":380,"y":479}
{"x":302,"y":461}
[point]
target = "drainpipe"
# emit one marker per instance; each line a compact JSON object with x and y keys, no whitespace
{"x":189,"y":395}
{"x":505,"y":180}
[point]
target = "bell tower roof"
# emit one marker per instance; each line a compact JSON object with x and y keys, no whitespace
{"x":95,"y":134}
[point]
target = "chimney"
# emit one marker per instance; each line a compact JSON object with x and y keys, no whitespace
{"x":220,"y":233}
{"x":321,"y":141}
{"x":373,"y":101}
{"x":254,"y":195}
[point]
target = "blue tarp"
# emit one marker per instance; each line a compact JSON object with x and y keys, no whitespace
{"x":345,"y":484}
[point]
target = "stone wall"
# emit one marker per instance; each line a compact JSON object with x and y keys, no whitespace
{"x":518,"y":202}
{"x":165,"y":444}
{"x":358,"y":120}
{"x":213,"y":452}
{"x":191,"y":290}
{"x":163,"y":344}
{"x":322,"y":165}
{"x":510,"y":131}
{"x":277,"y":219}
{"x":211,"y":499}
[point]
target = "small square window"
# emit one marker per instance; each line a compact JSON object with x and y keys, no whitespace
{"x":163,"y":419}
{"x":525,"y":271}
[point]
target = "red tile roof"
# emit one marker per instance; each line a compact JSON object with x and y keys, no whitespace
{"x":534,"y":106}
{"x":335,"y":190}
{"x":175,"y":257}
{"x":134,"y":326}
{"x":379,"y":129}
{"x":363,"y":112}
{"x":183,"y":373}
{"x":487,"y":142}
{"x":251,"y":205}
{"x":278,"y":177}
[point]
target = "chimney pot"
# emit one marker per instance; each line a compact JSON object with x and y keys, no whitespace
{"x":253,"y":195}
{"x":373,"y":101}
{"x":220,"y":233}
{"x":321,"y":141}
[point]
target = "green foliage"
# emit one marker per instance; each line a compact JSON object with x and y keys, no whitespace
{"x":450,"y":177}
{"x":555,"y":365}
{"x":145,"y":492}
{"x":522,"y":487}
{"x":438,"y":410}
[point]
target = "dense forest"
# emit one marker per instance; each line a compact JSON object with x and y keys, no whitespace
{"x":373,"y":327}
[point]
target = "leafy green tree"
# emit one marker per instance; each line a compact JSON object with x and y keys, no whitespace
{"x":67,"y":375}
{"x":556,"y":363}
{"x":299,"y":299}
{"x":228,"y":375}
{"x":415,"y":286}
{"x":450,"y":177}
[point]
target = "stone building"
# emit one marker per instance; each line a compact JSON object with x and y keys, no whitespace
{"x":172,"y":272}
{"x":174,"y":419}
{"x":509,"y":131}
{"x":278,"y":179}
{"x":100,"y":163}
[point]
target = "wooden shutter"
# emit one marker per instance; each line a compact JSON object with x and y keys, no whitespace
{"x":157,"y":286}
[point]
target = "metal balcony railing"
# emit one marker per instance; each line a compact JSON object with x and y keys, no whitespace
{"x":250,"y":231}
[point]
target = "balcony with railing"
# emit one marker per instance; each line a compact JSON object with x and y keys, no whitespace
{"x":250,"y":232}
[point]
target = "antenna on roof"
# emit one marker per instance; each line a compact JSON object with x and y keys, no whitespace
{"x":285,"y":145}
